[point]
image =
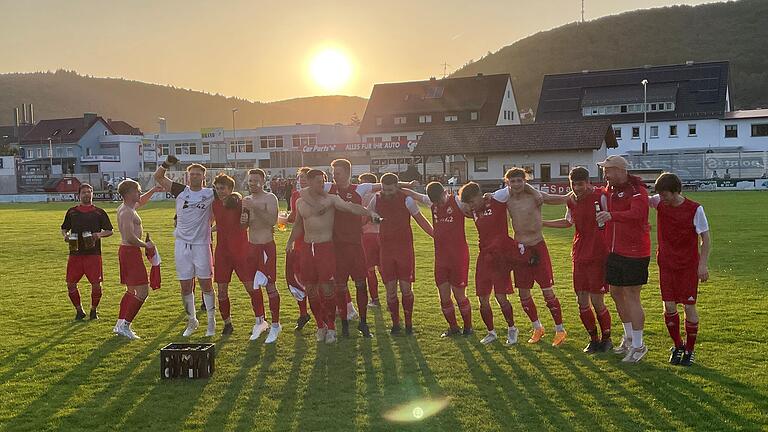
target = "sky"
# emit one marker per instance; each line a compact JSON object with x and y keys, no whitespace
{"x":264,"y":50}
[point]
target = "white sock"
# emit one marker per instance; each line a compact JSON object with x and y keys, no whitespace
{"x":119,"y":322}
{"x":276,"y":325}
{"x":559,"y":327}
{"x":189,"y":305}
{"x":493,"y":332}
{"x":627,"y":330}
{"x":637,"y":338}
{"x":537,"y":324}
{"x":210,"y":304}
{"x":259,"y":319}
{"x":513,"y":328}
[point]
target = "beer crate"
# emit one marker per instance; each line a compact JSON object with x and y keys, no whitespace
{"x":187,"y":360}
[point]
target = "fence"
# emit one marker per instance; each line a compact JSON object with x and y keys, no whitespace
{"x":706,"y":166}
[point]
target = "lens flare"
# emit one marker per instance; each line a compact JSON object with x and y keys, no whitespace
{"x":416,"y":410}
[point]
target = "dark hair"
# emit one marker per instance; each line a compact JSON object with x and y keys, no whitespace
{"x":196,"y":166}
{"x":389,"y":179}
{"x":515,"y":172}
{"x":314,"y":173}
{"x":469,"y":191}
{"x":223,"y":179}
{"x":83,"y":186}
{"x":342,"y":163}
{"x":668,"y":182}
{"x":258,"y":171}
{"x":368,"y":178}
{"x":435,"y":191}
{"x":579,"y":174}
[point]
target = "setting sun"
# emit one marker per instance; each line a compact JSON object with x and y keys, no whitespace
{"x":330,"y":69}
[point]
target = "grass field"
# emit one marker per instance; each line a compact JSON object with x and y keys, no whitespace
{"x":56,"y":374}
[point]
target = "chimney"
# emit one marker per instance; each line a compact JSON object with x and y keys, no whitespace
{"x":16,"y":116}
{"x":31,"y":115}
{"x":88,"y":119}
{"x":24,"y":114}
{"x":163,"y":125}
{"x":432,"y":79}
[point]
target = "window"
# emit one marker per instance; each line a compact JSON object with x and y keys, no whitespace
{"x":654,"y":131}
{"x":434,"y":92}
{"x":243,"y":146}
{"x":565,"y":169}
{"x":271,"y":141}
{"x":302,"y":140}
{"x":451,"y":118}
{"x":473,"y":115}
{"x":673,"y":131}
{"x":627,"y":108}
{"x":39,"y":152}
{"x":546,"y":172}
{"x":69,"y":151}
{"x":185,"y":148}
{"x":731,"y":131}
{"x":691,"y":130}
{"x":509,"y":94}
{"x":379,"y":121}
{"x":635,"y":132}
{"x":427,"y":118}
{"x":400,"y":120}
{"x":71,"y":131}
{"x":617,"y":132}
{"x":481,"y":164}
{"x":206,"y":148}
{"x":165,"y":149}
{"x":399,"y":138}
{"x":760,"y":130}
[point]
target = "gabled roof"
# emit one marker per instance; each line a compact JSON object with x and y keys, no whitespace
{"x":481,"y":93}
{"x":698,"y":90}
{"x":67,"y":130}
{"x":553,"y":136}
{"x":123,"y":128}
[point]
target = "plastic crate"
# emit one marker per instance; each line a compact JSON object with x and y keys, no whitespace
{"x":187,"y":360}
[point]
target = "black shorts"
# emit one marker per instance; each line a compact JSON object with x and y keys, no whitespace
{"x":624,"y":271}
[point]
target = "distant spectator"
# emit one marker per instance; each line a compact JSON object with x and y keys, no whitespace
{"x":727,"y":174}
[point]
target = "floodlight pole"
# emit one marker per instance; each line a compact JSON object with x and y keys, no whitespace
{"x":645,"y":115}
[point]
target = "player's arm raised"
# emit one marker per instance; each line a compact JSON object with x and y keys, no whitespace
{"x":146,"y":196}
{"x":160,"y":173}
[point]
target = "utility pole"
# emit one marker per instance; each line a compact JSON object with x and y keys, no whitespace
{"x":445,"y":69}
{"x":582,"y":11}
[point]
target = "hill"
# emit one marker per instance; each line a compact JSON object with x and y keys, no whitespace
{"x":68,"y":94}
{"x":734,"y":31}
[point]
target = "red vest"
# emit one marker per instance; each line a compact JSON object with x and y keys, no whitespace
{"x":448,"y":224}
{"x":396,"y":224}
{"x":347,"y":227}
{"x":676,"y":234}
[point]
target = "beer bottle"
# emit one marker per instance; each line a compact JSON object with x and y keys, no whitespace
{"x":600,"y":225}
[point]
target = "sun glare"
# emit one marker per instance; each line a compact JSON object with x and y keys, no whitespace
{"x":330,"y":69}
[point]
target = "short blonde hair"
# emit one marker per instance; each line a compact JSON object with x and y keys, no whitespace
{"x":127,"y":185}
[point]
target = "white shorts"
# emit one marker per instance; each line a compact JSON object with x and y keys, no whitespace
{"x":193,"y":261}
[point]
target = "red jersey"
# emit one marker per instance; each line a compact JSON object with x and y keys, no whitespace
{"x":491,"y":222}
{"x":628,"y":233}
{"x":348,"y":227}
{"x":448,"y":225}
{"x":395,"y":232}
{"x":678,"y":230}
{"x":229,"y":234}
{"x":588,"y":239}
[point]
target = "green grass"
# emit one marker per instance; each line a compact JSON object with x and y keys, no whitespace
{"x":56,"y":374}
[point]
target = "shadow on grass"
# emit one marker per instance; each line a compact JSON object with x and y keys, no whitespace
{"x":287,"y":411}
{"x":35,"y":351}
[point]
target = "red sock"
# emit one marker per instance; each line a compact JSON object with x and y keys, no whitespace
{"x":487,"y":314}
{"x":361,"y":296}
{"x":673,"y":326}
{"x":449,"y":312}
{"x":132,"y":306}
{"x":394,"y":309}
{"x":274,"y":306}
{"x":224,"y":307}
{"x":257,"y":302}
{"x":123,"y":305}
{"x":506,"y":310}
{"x":408,"y":299}
{"x":373,"y":284}
{"x":530,"y":308}
{"x":604,"y":318}
{"x":330,"y":311}
{"x":691,"y":331}
{"x":316,"y":304}
{"x":465,"y":308}
{"x":588,"y":319}
{"x":554,"y":308}
{"x":302,"y":306}
{"x":95,"y":298}
{"x":74,"y":297}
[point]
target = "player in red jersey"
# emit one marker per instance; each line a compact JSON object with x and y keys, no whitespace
{"x":683,"y":252}
{"x":84,"y":226}
{"x":451,"y":254}
{"x":292,"y":259}
{"x":371,"y":246}
{"x":397,"y":256}
{"x":589,"y":253}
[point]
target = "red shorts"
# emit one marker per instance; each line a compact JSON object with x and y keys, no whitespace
{"x":350,"y":262}
{"x":132,"y":269}
{"x":452,"y":268}
{"x":263,"y":258}
{"x":293,"y":268}
{"x":488,"y":278}
{"x":84,"y":265}
{"x":398,"y":265}
{"x":679,"y":285}
{"x":541,"y":273}
{"x":371,"y":247}
{"x":225,"y":262}
{"x":589,"y":276}
{"x":318,"y":263}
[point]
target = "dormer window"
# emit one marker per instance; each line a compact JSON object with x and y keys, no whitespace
{"x":379,"y":121}
{"x":473,"y":115}
{"x":400,"y":120}
{"x":71,"y":131}
{"x":434,"y":92}
{"x":425,"y":118}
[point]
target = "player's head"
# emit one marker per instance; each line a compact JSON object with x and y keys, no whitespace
{"x":301,"y":176}
{"x":130,"y":190}
{"x":471,"y":194}
{"x":436,"y":192}
{"x":368,"y":178}
{"x":224,"y":185}
{"x":515,"y":179}
{"x":579,"y":177}
{"x":341,"y":170}
{"x":256,"y":179}
{"x":614,"y":169}
{"x":85,"y":193}
{"x":316,"y":181}
{"x":668,"y":186}
{"x":389,"y":184}
{"x":196,"y":175}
